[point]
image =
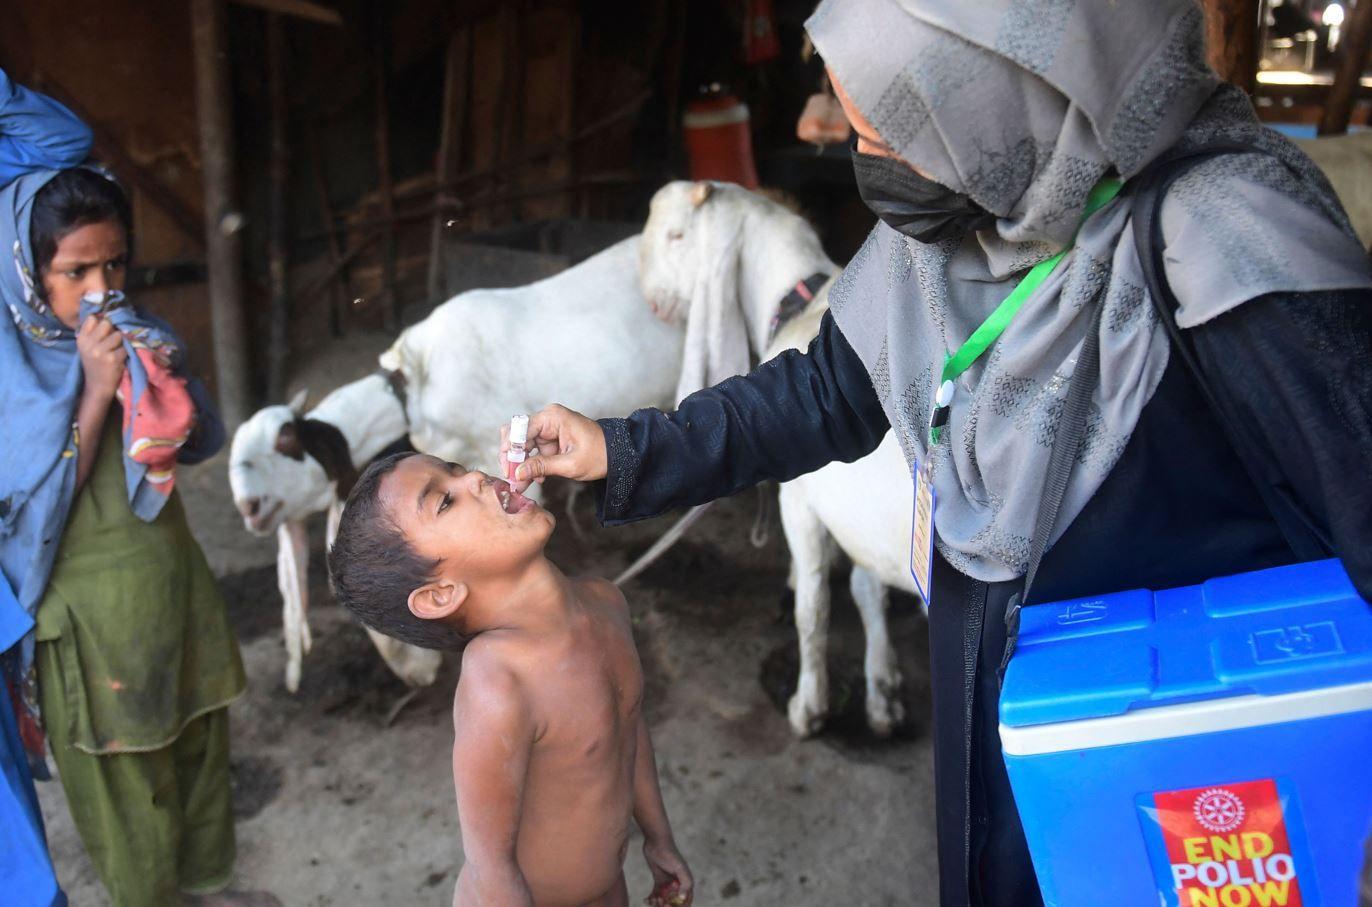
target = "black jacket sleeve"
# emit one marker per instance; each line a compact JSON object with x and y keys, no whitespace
{"x":787,"y":417}
{"x":1296,"y":370}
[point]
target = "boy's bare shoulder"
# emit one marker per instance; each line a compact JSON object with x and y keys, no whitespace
{"x":603,"y":593}
{"x":489,"y":688}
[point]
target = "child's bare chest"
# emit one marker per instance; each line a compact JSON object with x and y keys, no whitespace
{"x":589,"y":703}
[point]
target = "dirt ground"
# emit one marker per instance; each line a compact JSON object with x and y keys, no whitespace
{"x":339,"y":804}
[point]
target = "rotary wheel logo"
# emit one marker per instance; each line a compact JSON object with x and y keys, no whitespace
{"x":1219,"y":810}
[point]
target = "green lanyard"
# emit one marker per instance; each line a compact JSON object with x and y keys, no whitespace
{"x":995,"y":324}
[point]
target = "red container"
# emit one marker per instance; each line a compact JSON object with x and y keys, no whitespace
{"x":760,"y":43}
{"x":718,"y":141}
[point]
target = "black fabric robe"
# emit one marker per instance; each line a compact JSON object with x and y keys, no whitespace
{"x":1178,"y":509}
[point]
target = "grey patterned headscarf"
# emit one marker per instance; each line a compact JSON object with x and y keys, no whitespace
{"x":1024,"y":105}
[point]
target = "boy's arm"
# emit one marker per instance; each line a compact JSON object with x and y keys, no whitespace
{"x":491,"y":745}
{"x":672,"y":882}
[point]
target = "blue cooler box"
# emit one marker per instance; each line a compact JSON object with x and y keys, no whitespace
{"x":1209,"y":746}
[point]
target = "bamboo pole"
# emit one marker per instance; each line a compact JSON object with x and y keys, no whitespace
{"x":457,"y":66}
{"x":509,"y":121}
{"x":339,"y":273}
{"x":1353,"y":47}
{"x":223,"y":222}
{"x":278,"y":338}
{"x":382,"y":139}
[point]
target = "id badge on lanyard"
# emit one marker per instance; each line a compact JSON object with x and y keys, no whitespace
{"x":954,"y":365}
{"x":922,"y":531}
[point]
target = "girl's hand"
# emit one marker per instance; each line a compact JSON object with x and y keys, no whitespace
{"x":102,"y":356}
{"x":566,"y":444}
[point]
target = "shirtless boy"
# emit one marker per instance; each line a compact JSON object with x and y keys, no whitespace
{"x":551,"y":754}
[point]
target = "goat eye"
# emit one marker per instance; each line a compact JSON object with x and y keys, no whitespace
{"x":674,"y":235}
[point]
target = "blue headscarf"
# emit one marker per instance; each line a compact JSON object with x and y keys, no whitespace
{"x":40,"y":386}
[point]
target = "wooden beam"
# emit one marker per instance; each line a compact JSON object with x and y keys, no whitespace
{"x":550,"y":42}
{"x":1353,"y":47}
{"x":109,"y":150}
{"x":490,"y":197}
{"x":674,"y":66}
{"x":508,"y":123}
{"x":223,"y":221}
{"x":380,"y":60}
{"x":1231,"y":40}
{"x":456,"y":75}
{"x":338,"y":271}
{"x":338,"y":267}
{"x":464,"y":182}
{"x":278,"y":216}
{"x":300,"y":9}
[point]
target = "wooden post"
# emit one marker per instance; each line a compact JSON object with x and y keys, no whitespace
{"x":223,"y":222}
{"x":509,"y":114}
{"x":278,"y":170}
{"x":380,"y":36}
{"x":674,"y":67}
{"x":457,"y":66}
{"x":321,"y":191}
{"x":1231,"y":40}
{"x":1353,"y":47}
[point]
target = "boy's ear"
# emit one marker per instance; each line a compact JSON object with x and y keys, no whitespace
{"x":437,"y":600}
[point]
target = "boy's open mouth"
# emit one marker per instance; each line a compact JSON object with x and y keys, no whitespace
{"x":511,"y":501}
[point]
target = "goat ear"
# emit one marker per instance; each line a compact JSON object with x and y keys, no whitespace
{"x":326,"y":444}
{"x":289,"y":442}
{"x":726,"y":330}
{"x":297,"y":403}
{"x":701,"y":192}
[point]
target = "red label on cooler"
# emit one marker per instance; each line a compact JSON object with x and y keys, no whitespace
{"x":1227,"y":846}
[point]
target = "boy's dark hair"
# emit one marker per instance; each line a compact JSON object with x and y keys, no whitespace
{"x":374,"y":569}
{"x":73,"y":199}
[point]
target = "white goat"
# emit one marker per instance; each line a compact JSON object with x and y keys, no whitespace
{"x":723,"y":270}
{"x":585,"y":337}
{"x":286,"y":464}
{"x":722,"y":259}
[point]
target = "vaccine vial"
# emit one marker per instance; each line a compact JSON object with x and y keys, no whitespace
{"x":519,"y":433}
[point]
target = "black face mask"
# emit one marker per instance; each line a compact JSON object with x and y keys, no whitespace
{"x":911,"y":204}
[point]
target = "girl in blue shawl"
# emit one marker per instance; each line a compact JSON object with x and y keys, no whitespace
{"x":131,"y":660}
{"x":35,"y":133}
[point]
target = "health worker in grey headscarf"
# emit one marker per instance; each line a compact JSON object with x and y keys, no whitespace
{"x":993,"y":136}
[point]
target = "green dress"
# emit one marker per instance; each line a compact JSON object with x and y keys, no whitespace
{"x":134,"y":618}
{"x":136,"y":664}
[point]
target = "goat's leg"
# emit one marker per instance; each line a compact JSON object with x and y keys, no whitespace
{"x":884,"y":707}
{"x":292,"y":574}
{"x":417,"y":667}
{"x":811,"y":553}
